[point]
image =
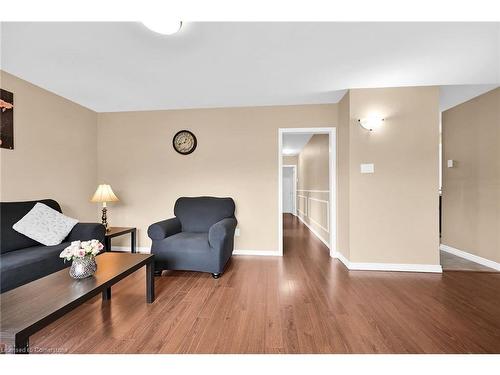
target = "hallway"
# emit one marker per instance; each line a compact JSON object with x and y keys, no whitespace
{"x":303,"y":302}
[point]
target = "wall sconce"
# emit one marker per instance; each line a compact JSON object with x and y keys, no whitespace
{"x":371,"y":123}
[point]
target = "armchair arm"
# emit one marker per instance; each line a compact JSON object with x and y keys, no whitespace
{"x":220,"y":231}
{"x":87,"y":231}
{"x":164,"y":229}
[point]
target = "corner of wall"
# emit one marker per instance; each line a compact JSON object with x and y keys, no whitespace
{"x":343,"y":175}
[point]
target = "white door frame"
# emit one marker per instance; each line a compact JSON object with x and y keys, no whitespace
{"x":331,"y":131}
{"x":294,"y":191}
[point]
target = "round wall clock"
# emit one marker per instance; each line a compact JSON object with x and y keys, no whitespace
{"x":184,"y":142}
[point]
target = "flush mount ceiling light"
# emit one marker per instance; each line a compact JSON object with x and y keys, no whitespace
{"x":163,"y":27}
{"x":288,"y":152}
{"x":371,"y":123}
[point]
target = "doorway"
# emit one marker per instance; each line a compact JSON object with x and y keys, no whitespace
{"x":289,"y":181}
{"x":315,"y":207}
{"x":468,"y":161}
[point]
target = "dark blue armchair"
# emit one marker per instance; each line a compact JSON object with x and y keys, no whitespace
{"x":199,"y":238}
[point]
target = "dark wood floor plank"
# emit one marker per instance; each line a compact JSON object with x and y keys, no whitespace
{"x":304,"y":302}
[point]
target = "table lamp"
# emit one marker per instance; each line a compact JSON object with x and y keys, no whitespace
{"x":104,"y":194}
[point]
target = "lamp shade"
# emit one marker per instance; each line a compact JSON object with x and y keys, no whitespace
{"x":104,"y":193}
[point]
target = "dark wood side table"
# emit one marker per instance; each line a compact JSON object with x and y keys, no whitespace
{"x":120,"y":231}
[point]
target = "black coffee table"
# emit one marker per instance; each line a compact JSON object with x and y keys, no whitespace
{"x":29,"y":308}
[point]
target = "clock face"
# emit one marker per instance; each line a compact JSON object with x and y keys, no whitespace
{"x":184,"y":142}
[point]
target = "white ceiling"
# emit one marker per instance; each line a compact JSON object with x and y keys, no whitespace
{"x":124,"y":66}
{"x":453,"y":95}
{"x":293,"y":143}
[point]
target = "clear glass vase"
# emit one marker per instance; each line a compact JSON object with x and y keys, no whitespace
{"x":83,"y":267}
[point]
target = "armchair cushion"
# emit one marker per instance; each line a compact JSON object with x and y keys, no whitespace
{"x":198,"y":214}
{"x":163,"y":229}
{"x":187,"y":242}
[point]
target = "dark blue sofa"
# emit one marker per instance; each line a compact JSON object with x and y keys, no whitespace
{"x":22,"y":259}
{"x":199,"y":238}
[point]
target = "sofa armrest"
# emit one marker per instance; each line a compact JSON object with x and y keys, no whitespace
{"x":164,"y":229}
{"x":220,"y":232}
{"x":87,"y":231}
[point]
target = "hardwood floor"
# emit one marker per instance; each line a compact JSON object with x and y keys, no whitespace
{"x":304,"y":302}
{"x":451,"y":262}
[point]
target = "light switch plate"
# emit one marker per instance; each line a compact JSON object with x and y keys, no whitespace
{"x":451,"y":163}
{"x":237,"y":232}
{"x":367,"y":168}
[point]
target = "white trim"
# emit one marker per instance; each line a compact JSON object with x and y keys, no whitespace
{"x":280,"y":192}
{"x":332,"y":165}
{"x":294,"y":167}
{"x":432,"y":268}
{"x":126,"y":249}
{"x":327,"y":229}
{"x":332,"y":195}
{"x":399,"y":267}
{"x":314,"y":232}
{"x":306,"y":205}
{"x":338,"y":255}
{"x":273,"y":253}
{"x":471,"y":257}
{"x":314,"y":191}
{"x":318,"y":200}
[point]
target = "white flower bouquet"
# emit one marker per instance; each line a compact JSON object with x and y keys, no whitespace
{"x":81,"y":249}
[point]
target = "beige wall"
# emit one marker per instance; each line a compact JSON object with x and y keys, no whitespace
{"x":390,"y":216}
{"x":471,"y":189}
{"x":236,"y":156}
{"x":343,"y":129}
{"x":313,"y":164}
{"x":313,"y":185}
{"x":290,"y":160}
{"x":55,"y":152}
{"x":393,"y":216}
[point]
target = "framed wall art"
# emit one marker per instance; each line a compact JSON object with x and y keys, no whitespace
{"x":6,"y":119}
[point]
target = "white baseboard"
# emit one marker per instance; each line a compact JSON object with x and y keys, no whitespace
{"x":338,"y":255}
{"x":433,"y":268}
{"x":471,"y":257}
{"x":126,"y":249}
{"x":350,"y":265}
{"x":257,"y":252}
{"x":314,"y":232}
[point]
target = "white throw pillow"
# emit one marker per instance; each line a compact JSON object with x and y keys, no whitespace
{"x":45,"y":225}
